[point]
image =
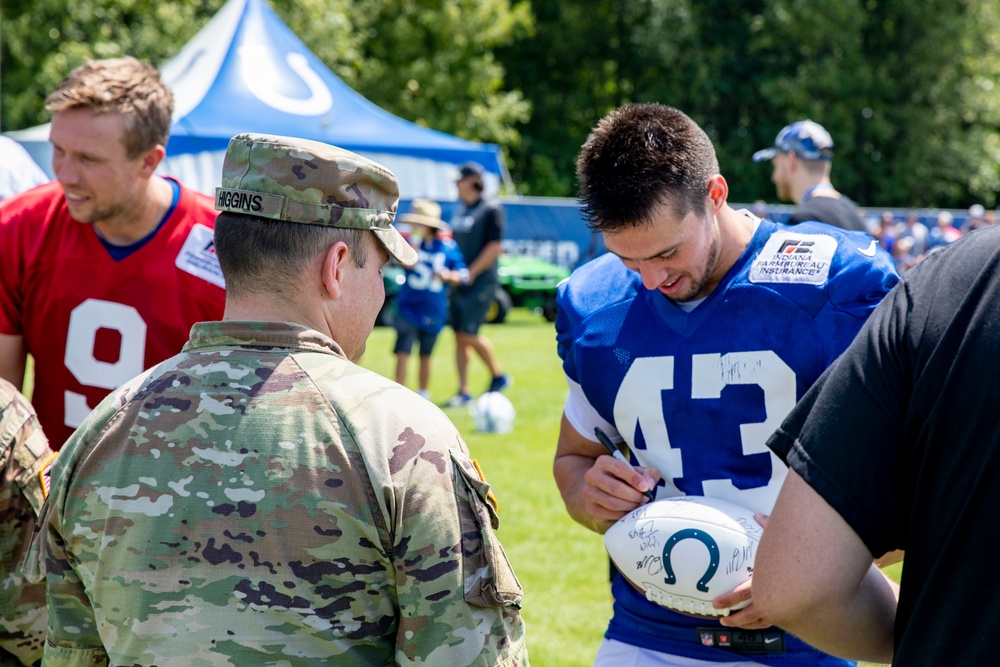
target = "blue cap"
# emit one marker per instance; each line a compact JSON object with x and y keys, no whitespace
{"x":470,"y":169}
{"x":805,"y":138}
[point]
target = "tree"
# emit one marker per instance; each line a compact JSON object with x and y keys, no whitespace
{"x":44,"y":39}
{"x":907,"y":90}
{"x":432,"y":62}
{"x":599,"y":54}
{"x":429,"y":61}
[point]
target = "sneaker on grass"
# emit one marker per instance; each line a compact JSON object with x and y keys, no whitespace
{"x":500,"y":383}
{"x":460,"y":399}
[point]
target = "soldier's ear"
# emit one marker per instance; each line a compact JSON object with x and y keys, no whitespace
{"x":336,"y":259}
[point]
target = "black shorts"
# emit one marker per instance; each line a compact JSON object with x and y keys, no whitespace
{"x":407,"y":333}
{"x":468,"y":306}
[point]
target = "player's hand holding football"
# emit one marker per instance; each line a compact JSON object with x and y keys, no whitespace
{"x":747,"y":618}
{"x":613,"y":488}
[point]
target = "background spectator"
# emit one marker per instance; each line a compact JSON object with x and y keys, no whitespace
{"x":885,"y":232}
{"x":801,"y":161}
{"x":422,"y":302}
{"x":975,"y":220}
{"x":944,"y":232}
{"x":477,"y":227}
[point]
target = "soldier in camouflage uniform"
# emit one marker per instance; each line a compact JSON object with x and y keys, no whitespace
{"x":260,"y":499}
{"x":25,"y":454}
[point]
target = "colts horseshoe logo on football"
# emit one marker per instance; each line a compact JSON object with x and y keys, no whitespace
{"x":713,"y":556}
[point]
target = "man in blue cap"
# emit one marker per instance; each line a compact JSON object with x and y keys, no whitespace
{"x":801,"y":157}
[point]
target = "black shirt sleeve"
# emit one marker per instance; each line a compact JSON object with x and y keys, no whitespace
{"x":494,"y":224}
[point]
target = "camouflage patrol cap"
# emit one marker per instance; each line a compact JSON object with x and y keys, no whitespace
{"x":309,"y":182}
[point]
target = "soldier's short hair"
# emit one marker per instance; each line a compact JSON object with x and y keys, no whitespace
{"x":261,"y":256}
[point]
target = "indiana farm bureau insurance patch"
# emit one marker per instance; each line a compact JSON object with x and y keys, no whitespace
{"x":788,"y":257}
{"x":197,"y":257}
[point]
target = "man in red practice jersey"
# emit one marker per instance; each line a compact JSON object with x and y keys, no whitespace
{"x":103,"y":271}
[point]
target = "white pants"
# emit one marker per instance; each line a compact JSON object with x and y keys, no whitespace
{"x":613,"y":653}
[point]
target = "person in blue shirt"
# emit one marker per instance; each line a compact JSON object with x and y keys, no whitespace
{"x":689,"y":342}
{"x":422,"y":302}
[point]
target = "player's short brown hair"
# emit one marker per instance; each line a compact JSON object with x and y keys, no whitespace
{"x":126,"y":86}
{"x":639,"y":157}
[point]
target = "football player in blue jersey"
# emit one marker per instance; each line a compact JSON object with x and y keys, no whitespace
{"x":690,"y":341}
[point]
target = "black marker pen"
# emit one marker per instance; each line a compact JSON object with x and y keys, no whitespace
{"x":616,"y":453}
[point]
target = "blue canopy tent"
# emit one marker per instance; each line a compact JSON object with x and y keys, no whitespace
{"x":246,"y":71}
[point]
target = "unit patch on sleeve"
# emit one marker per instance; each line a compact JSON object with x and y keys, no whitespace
{"x":198,"y":257}
{"x":788,"y":257}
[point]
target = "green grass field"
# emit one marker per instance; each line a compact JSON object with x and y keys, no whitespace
{"x":562,"y":566}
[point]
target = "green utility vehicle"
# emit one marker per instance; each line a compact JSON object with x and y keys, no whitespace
{"x":528,"y":282}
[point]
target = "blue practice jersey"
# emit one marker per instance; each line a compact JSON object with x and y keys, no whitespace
{"x":423,"y":298}
{"x":696,"y":394}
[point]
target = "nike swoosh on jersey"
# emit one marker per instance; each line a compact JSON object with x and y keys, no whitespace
{"x":870,"y":250}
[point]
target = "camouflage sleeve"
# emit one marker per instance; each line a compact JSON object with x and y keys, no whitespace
{"x":25,"y":453}
{"x":73,"y":639}
{"x":459,"y":600}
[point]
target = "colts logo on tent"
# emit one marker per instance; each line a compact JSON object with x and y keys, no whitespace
{"x":263,"y":79}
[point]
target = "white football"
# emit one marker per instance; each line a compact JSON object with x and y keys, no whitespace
{"x":493,"y":413}
{"x":684,"y":552}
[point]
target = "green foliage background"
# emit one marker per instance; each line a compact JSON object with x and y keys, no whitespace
{"x":908,"y":90}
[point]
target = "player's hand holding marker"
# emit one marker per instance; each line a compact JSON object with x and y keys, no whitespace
{"x":615,"y":487}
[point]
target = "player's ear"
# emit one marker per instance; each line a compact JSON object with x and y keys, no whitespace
{"x":335,"y":261}
{"x":718,"y":192}
{"x":151,"y":159}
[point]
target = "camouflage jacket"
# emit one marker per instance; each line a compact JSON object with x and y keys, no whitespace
{"x":260,"y":500}
{"x":25,"y":453}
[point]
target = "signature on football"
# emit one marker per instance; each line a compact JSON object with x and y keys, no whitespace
{"x":741,"y":559}
{"x":752,"y":528}
{"x":651,"y":564}
{"x":645,"y":535}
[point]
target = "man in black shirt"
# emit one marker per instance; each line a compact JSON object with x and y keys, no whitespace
{"x":477,"y":227}
{"x":801,"y":158}
{"x":897,"y":446}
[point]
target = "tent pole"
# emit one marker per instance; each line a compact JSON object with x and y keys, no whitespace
{"x":506,"y":179}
